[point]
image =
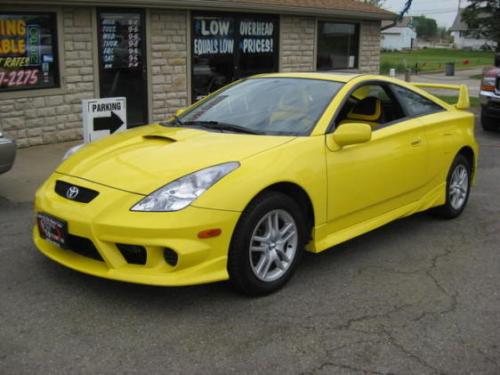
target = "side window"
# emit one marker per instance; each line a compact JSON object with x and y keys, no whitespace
{"x":372,"y":104}
{"x":414,"y":104}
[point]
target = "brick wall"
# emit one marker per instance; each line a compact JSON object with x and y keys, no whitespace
{"x":56,"y":118}
{"x":369,"y":51}
{"x":169,"y":49}
{"x":297,"y":43}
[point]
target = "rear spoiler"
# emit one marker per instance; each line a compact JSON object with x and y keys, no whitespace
{"x":463,"y":92}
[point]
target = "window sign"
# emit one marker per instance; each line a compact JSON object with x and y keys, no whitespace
{"x":122,"y":60}
{"x":230,"y":46}
{"x":121,"y":40}
{"x":28,"y":51}
{"x":256,"y":37}
{"x":213,"y":36}
{"x":213,"y":53}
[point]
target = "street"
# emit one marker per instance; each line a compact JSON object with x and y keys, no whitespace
{"x":420,"y":296}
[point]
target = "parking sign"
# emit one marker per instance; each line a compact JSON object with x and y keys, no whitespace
{"x":103,"y":117}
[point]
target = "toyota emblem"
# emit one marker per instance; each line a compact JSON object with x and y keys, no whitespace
{"x":72,"y":192}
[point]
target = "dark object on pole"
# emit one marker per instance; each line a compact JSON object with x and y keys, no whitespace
{"x":400,"y":16}
{"x":450,"y":69}
{"x":497,"y":60}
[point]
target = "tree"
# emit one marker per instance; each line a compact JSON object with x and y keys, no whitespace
{"x":443,"y":33}
{"x":426,"y":28}
{"x":482,"y":18}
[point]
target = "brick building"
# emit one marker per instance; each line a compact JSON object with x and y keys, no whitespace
{"x":162,"y":54}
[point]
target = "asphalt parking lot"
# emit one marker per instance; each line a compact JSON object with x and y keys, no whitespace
{"x":418,"y":296}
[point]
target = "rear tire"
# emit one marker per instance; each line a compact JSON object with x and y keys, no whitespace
{"x":488,"y":123}
{"x":457,"y":189}
{"x":267,"y":244}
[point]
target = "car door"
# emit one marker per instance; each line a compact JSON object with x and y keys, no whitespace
{"x":369,"y":179}
{"x":440,"y":130}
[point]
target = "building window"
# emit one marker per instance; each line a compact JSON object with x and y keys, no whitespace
{"x":28,"y":51}
{"x":227,"y":47}
{"x":338,"y":45}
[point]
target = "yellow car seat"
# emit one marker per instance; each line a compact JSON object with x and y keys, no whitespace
{"x":367,"y":111}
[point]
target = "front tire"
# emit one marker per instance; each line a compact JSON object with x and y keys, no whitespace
{"x":457,"y":188}
{"x":267,"y":244}
{"x":488,"y":123}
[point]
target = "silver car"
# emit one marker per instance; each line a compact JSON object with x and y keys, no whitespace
{"x":7,"y":153}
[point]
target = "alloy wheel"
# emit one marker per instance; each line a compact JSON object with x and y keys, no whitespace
{"x":273,"y":245}
{"x":459,"y":187}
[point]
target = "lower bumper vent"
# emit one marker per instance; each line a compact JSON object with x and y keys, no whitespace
{"x":83,"y":246}
{"x":133,"y":254}
{"x":171,"y":257}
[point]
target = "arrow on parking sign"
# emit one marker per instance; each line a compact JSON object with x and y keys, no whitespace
{"x":112,"y":123}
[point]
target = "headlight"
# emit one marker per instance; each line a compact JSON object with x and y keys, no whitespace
{"x":182,"y":192}
{"x":72,"y":151}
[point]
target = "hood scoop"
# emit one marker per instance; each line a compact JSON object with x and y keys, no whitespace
{"x":160,"y":137}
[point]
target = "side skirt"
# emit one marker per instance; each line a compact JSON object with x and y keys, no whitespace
{"x":435,"y":197}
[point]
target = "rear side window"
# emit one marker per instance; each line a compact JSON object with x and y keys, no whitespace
{"x":415,"y":104}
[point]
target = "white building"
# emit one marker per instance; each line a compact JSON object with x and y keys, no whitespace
{"x":399,"y":37}
{"x":463,"y":40}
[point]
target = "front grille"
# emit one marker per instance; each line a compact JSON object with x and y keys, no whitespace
{"x":78,"y":194}
{"x":83,"y":246}
{"x":494,"y":105}
{"x":133,"y":254}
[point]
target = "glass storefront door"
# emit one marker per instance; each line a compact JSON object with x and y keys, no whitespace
{"x":122,"y":61}
{"x":226,"y":47}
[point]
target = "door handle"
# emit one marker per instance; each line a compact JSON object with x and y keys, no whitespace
{"x":416,"y":141}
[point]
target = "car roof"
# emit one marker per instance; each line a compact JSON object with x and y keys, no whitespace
{"x":327,"y":76}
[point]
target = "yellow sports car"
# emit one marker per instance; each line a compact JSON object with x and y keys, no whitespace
{"x":238,"y":185}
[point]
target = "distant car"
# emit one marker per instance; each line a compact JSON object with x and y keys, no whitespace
{"x":238,"y":185}
{"x":489,"y":97}
{"x":7,"y":154}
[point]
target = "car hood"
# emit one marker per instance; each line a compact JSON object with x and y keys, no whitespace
{"x":144,"y":159}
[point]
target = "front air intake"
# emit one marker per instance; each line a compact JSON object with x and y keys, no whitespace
{"x":170,"y":256}
{"x":133,"y":254}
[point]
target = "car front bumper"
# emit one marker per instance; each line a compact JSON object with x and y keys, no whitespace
{"x":490,"y":103}
{"x":7,"y":154}
{"x":107,"y":221}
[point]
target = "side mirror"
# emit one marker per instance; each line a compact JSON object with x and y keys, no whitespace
{"x":352,"y":133}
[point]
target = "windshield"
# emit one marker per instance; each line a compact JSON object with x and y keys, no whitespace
{"x":274,"y":106}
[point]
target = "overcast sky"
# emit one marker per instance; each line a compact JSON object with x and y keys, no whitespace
{"x":443,"y":11}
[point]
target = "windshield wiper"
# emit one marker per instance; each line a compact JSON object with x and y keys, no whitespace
{"x":177,"y":121}
{"x":221,"y":126}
